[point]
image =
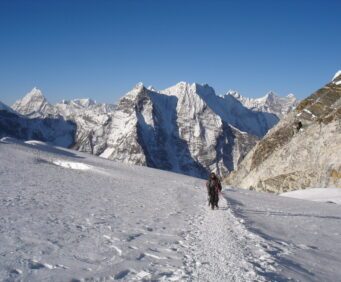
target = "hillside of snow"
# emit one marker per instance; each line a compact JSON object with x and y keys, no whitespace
{"x":327,"y":195}
{"x":69,"y":216}
{"x":303,"y":238}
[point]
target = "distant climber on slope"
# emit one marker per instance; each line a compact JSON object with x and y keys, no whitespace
{"x":297,"y":126}
{"x":213,"y":188}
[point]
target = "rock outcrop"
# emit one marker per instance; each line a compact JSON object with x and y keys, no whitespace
{"x":301,"y":151}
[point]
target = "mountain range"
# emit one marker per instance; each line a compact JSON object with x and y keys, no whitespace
{"x":186,"y":128}
{"x":270,"y":103}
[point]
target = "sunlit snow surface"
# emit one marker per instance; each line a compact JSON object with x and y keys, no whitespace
{"x":327,"y":195}
{"x":68,"y":216}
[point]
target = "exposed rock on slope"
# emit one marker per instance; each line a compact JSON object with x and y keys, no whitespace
{"x":186,"y":128}
{"x":287,"y":160}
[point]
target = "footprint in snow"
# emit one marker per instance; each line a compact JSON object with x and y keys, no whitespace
{"x":33,"y":264}
{"x":16,"y":272}
{"x":122,"y":274}
{"x":142,"y":275}
{"x":132,"y":237}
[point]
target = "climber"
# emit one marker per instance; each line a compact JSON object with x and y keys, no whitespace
{"x":297,"y":126}
{"x":213,"y":186}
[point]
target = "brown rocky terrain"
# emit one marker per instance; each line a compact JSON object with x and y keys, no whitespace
{"x":287,"y":158}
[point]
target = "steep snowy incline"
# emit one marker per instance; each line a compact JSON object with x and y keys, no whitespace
{"x":301,"y":238}
{"x":68,"y":216}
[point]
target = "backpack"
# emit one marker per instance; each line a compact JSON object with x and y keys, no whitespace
{"x":214,"y":185}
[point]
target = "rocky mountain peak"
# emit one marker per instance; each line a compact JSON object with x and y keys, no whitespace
{"x":152,"y":88}
{"x":32,"y":104}
{"x":34,"y":95}
{"x":204,"y":89}
{"x":183,"y":88}
{"x":138,"y":89}
{"x":84,"y":103}
{"x":270,"y":95}
{"x":139,"y":86}
{"x":233,"y":93}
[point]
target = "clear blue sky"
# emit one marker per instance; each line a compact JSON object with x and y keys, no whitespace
{"x":101,"y":49}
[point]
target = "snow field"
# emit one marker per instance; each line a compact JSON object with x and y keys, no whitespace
{"x":328,"y":195}
{"x":301,"y":237}
{"x":221,"y":249}
{"x":68,"y":216}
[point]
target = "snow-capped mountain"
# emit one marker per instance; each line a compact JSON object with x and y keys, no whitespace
{"x":34,"y":104}
{"x":271,"y":103}
{"x":186,"y":128}
{"x":174,"y":130}
{"x":290,"y":157}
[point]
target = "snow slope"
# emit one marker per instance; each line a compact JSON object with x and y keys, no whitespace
{"x":69,"y":216}
{"x":303,"y":238}
{"x":329,"y":195}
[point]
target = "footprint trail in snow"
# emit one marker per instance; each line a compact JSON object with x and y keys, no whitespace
{"x":75,"y":217}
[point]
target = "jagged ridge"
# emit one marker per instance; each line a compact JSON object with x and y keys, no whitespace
{"x":186,"y":128}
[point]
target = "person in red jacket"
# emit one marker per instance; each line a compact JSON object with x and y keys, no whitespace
{"x":213,"y":188}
